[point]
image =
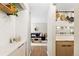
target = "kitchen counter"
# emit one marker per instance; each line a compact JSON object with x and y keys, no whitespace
{"x":5,"y":51}
{"x":64,"y":38}
{"x":38,"y":44}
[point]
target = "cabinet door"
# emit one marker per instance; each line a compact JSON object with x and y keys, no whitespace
{"x":20,"y":51}
{"x":39,"y":51}
{"x":14,"y":53}
{"x":65,"y":48}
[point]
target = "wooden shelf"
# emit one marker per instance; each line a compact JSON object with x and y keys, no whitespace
{"x":9,"y":9}
{"x":65,"y":11}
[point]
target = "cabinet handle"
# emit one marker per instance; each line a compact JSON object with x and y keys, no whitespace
{"x":66,"y":45}
{"x":21,"y":45}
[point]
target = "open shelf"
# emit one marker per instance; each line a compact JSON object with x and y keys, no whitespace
{"x":65,"y":11}
{"x":64,"y":25}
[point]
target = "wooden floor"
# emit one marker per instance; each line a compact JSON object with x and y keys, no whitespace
{"x":39,"y":51}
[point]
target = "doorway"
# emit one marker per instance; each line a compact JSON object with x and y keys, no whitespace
{"x":39,"y":14}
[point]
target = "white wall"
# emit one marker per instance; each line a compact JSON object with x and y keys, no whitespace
{"x":42,"y":27}
{"x":51,"y":30}
{"x":76,"y":41}
{"x":5,"y":29}
{"x":21,"y":25}
{"x":38,"y":19}
{"x":39,"y":15}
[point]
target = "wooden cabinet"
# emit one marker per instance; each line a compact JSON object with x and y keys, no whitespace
{"x":39,"y":51}
{"x":64,"y":48}
{"x":20,"y":51}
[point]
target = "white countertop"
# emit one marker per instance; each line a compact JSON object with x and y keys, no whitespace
{"x":64,"y":38}
{"x":5,"y":51}
{"x":38,"y":44}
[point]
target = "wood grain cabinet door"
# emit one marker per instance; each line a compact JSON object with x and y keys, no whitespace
{"x":64,"y":48}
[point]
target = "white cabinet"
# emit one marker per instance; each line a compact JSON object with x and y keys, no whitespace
{"x":20,"y":51}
